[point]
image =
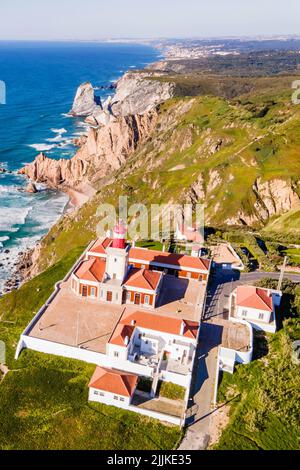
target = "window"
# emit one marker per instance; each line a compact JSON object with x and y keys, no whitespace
{"x":114,"y":276}
{"x":116,"y":398}
{"x":122,"y":399}
{"x":143,"y":266}
{"x":116,"y":260}
{"x":147,"y":299}
{"x":261,"y":316}
{"x":128,"y":296}
{"x":102,"y":294}
{"x":189,"y":275}
{"x":117,"y":296}
{"x":93,"y":291}
{"x":116,"y":354}
{"x":244,"y":313}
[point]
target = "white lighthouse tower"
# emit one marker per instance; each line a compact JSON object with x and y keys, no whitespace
{"x":117,"y":254}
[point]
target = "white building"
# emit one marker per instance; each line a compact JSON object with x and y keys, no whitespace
{"x":256,"y":305}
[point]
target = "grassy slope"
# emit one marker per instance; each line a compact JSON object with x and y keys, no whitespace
{"x":44,"y":398}
{"x":289,"y":222}
{"x":265,"y":410}
{"x":238,"y":163}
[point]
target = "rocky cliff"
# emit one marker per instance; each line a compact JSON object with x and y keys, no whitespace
{"x":105,"y":149}
{"x":118,"y":126}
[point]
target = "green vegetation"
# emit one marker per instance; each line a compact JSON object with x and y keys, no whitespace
{"x":44,"y":399}
{"x":144,"y":384}
{"x":264,"y":395}
{"x":171,"y":391}
{"x":151,"y":245}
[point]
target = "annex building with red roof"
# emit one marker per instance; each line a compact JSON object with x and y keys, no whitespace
{"x":255,"y":305}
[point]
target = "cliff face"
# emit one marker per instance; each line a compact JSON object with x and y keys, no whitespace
{"x":104,"y":150}
{"x":119,"y":125}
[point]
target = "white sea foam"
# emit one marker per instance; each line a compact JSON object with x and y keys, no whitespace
{"x":42,"y":147}
{"x":10,"y":218}
{"x":2,"y":240}
{"x":59,"y":131}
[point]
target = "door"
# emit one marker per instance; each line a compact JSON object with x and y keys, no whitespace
{"x":84,"y":291}
{"x":109,"y":296}
{"x":137,"y":299}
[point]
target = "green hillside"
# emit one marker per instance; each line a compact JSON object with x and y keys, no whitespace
{"x":204,"y":148}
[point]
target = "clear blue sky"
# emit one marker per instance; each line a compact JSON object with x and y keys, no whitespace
{"x":96,"y":19}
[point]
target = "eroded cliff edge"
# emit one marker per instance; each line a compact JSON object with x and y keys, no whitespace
{"x":117,"y":126}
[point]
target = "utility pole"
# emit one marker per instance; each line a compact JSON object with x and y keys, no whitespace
{"x":282,"y":273}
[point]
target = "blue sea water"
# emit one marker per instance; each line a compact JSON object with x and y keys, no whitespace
{"x":41,"y":80}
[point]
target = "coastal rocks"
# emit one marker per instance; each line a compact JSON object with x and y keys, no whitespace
{"x":31,"y":188}
{"x":136,"y":93}
{"x":4,"y":170}
{"x":105,"y":149}
{"x":139,"y":92}
{"x":85,"y":102}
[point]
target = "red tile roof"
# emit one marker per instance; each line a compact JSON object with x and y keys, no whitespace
{"x":153,"y":322}
{"x":254,"y":297}
{"x":120,"y":334}
{"x":114,"y":381}
{"x":143,"y":279}
{"x":100,"y":245}
{"x":158,"y":257}
{"x":91,"y":270}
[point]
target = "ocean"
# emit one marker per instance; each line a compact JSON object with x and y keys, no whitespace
{"x":41,"y":80}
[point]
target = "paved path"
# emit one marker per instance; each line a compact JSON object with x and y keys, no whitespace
{"x":204,"y":375}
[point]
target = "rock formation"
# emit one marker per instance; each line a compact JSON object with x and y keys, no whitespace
{"x":273,"y":197}
{"x":31,"y":188}
{"x":85,"y":102}
{"x":118,"y":125}
{"x":105,"y":149}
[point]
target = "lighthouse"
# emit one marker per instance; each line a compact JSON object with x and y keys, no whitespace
{"x":117,"y":254}
{"x":119,"y":236}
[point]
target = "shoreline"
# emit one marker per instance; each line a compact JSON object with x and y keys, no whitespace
{"x":25,"y":259}
{"x":77,"y":198}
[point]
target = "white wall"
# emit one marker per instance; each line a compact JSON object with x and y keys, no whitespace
{"x":108,"y":398}
{"x":178,"y":379}
{"x":122,"y":352}
{"x":116,"y":263}
{"x":85,"y":355}
{"x":253,"y":314}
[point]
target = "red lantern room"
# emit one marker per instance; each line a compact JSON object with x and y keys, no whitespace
{"x":119,"y":236}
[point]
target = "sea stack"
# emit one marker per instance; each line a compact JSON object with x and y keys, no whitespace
{"x":85,"y":102}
